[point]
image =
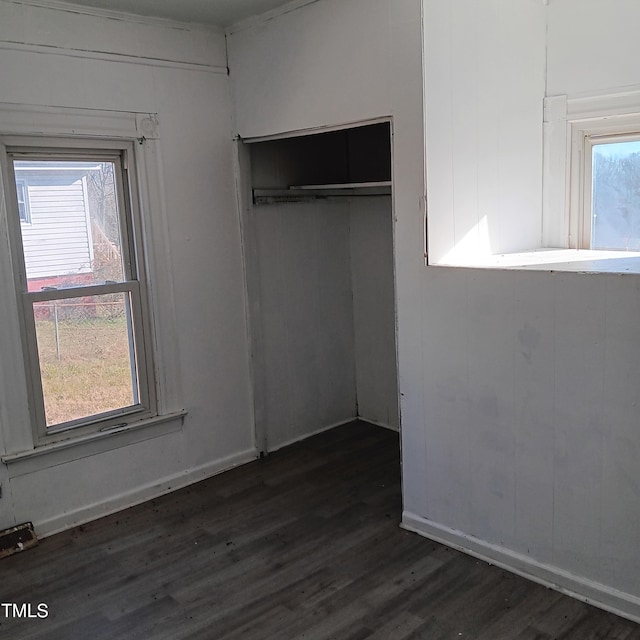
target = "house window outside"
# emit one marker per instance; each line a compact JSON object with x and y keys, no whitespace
{"x":23,"y":201}
{"x":85,"y":317}
{"x":612,"y":204}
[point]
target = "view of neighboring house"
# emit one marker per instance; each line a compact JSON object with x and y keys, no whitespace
{"x":60,"y":237}
{"x":56,"y":228}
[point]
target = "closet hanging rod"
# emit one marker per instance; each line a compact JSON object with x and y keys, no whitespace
{"x":307,"y":193}
{"x":337,"y":186}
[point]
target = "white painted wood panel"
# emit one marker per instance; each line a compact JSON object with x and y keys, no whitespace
{"x":533,"y":389}
{"x":592,"y":46}
{"x":447,"y":449}
{"x":371,"y":250}
{"x":620,"y":483}
{"x":335,"y":388}
{"x":304,"y":280}
{"x":204,"y":233}
{"x":124,"y":35}
{"x":531,"y":423}
{"x":324,"y":64}
{"x":409,"y":207}
{"x":490,"y":375}
{"x":579,"y":403}
{"x":470,"y":236}
{"x":439,"y":129}
{"x":484,"y":87}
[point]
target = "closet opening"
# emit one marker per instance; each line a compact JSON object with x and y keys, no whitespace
{"x":317,"y":223}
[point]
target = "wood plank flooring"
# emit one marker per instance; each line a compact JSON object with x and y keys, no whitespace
{"x":303,"y":544}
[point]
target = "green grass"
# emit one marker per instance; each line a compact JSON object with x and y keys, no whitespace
{"x":91,"y":372}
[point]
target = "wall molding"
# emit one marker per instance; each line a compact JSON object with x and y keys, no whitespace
{"x":155,"y":489}
{"x":110,"y":57}
{"x":153,"y":21}
{"x":254,"y":21}
{"x":608,"y":105}
{"x":286,"y":443}
{"x":589,"y":591}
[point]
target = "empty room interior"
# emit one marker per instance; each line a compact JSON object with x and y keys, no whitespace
{"x":321,"y":319}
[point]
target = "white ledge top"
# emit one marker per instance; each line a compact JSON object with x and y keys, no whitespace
{"x":579,"y":260}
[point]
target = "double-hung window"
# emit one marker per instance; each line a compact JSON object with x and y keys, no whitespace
{"x":80,"y":280}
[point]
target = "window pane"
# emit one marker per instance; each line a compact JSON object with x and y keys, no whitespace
{"x":616,"y":196}
{"x":86,"y":353}
{"x":23,"y":201}
{"x":74,"y":238}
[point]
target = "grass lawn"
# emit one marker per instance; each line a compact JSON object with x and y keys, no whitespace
{"x":89,"y":372}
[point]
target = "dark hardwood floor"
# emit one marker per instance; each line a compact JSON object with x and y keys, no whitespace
{"x":304,"y":544}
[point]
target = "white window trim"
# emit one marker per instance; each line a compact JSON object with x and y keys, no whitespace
{"x":134,"y":282}
{"x":141,"y":130}
{"x":569,"y":123}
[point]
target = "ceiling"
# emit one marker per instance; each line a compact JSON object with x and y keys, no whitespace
{"x":221,"y":13}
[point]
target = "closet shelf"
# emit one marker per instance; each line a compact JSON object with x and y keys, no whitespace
{"x":301,"y":193}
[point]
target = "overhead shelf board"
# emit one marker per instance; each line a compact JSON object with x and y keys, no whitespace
{"x":302,"y":193}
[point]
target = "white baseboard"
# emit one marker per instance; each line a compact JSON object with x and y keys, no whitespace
{"x":595,"y":593}
{"x":141,"y":494}
{"x":304,"y":436}
{"x":375,"y":423}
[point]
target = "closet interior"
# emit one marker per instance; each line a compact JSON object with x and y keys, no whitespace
{"x":320,"y":272}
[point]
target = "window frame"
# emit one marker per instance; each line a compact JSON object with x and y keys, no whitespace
{"x":24,"y":191}
{"x":585,"y":122}
{"x":134,"y":283}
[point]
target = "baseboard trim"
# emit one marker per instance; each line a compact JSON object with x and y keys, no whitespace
{"x":141,"y":494}
{"x":310,"y":434}
{"x":375,"y":423}
{"x":595,"y":593}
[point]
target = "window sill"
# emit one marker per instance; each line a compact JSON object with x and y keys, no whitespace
{"x":572,"y":260}
{"x":64,"y":451}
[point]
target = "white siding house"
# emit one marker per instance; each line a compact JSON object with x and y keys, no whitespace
{"x":54,"y":214}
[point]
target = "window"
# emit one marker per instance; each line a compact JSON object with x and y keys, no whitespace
{"x":611,"y":215}
{"x":80,"y":281}
{"x":592,"y":175}
{"x":22,"y":193}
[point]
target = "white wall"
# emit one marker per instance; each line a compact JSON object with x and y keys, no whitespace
{"x":291,"y":73}
{"x":69,"y":59}
{"x":371,"y":250}
{"x":527,"y":381}
{"x":306,"y":318}
{"x":326,"y":316}
{"x":592,"y":47}
{"x":519,"y":433}
{"x":484,"y":73}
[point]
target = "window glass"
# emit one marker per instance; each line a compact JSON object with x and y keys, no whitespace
{"x":87,"y":357}
{"x":75,"y":237}
{"x":23,"y":201}
{"x":615,"y":196}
